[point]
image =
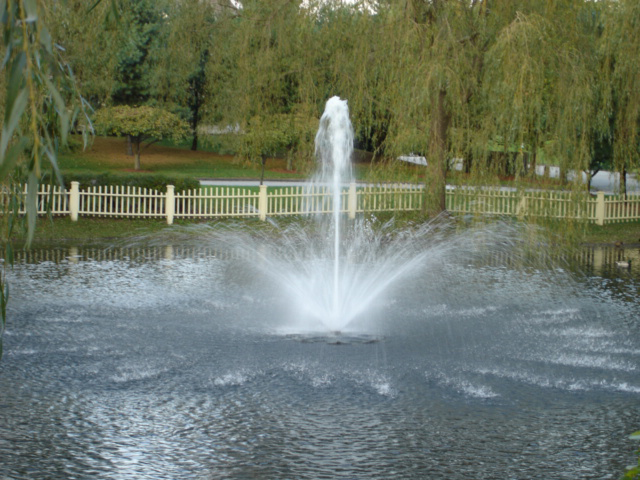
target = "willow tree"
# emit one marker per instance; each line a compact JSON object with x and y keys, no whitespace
{"x":87,"y":40}
{"x":254,"y":71}
{"x":621,"y":73}
{"x":428,"y":68}
{"x":41,"y":103}
{"x":538,"y":87}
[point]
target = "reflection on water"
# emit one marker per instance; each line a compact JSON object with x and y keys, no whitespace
{"x":176,"y":362}
{"x":596,"y":260}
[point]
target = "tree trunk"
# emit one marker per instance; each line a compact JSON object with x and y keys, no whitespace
{"x":194,"y":143}
{"x":623,"y":181}
{"x":439,"y":128}
{"x":263,"y":159}
{"x":467,"y":163}
{"x":137,"y":142}
{"x":194,"y":124}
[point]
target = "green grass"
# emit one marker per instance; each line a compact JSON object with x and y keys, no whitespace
{"x":108,"y":155}
{"x":627,"y":234}
{"x":89,"y":230}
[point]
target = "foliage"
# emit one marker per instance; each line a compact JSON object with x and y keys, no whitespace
{"x":140,"y":124}
{"x":87,"y":41}
{"x":279,"y":134}
{"x":141,"y":33}
{"x":40,"y":103}
{"x":442,"y":78}
{"x":621,"y":81}
{"x":633,"y":473}
{"x":180,"y":81}
{"x":157,"y":182}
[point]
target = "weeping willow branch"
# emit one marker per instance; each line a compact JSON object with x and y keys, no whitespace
{"x":41,"y":104}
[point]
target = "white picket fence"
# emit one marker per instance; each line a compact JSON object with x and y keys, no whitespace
{"x":218,"y":202}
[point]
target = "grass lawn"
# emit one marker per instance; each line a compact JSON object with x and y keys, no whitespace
{"x":627,"y":234}
{"x":108,"y":155}
{"x":100,"y":229}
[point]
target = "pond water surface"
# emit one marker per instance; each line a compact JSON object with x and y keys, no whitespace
{"x":178,"y":363}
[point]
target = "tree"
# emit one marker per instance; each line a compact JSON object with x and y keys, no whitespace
{"x":272,"y":135}
{"x":447,"y":78}
{"x":180,"y":77}
{"x":40,"y":104}
{"x":87,"y":41}
{"x":621,"y":100}
{"x":141,"y":32}
{"x":140,"y":124}
{"x":253,"y":78}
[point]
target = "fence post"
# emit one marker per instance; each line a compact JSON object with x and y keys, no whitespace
{"x":170,"y":204}
{"x":352,"y":200}
{"x":600,"y":209}
{"x":74,"y":201}
{"x":262,"y":202}
{"x":521,"y":208}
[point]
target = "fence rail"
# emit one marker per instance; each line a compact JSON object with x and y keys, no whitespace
{"x":260,"y":202}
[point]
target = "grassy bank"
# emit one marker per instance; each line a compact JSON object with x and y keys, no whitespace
{"x":627,"y":234}
{"x":108,"y":155}
{"x":89,"y":229}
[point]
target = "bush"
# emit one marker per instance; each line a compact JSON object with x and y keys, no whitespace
{"x":152,"y":182}
{"x":633,"y":472}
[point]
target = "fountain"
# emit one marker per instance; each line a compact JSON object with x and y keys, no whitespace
{"x":210,"y":354}
{"x":334,"y":146}
{"x":336,"y":270}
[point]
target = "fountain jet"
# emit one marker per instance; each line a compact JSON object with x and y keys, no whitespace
{"x":334,"y":146}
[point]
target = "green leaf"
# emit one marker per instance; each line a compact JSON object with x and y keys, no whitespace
{"x":53,"y":160}
{"x":45,"y":39}
{"x":12,"y":118}
{"x":635,"y":435}
{"x":61,"y":108}
{"x":16,"y":78}
{"x":12,"y":156}
{"x":31,"y":9}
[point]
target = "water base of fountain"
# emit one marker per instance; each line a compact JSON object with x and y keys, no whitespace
{"x":336,"y":338}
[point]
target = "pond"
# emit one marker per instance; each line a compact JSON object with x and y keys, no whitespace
{"x":156,"y":362}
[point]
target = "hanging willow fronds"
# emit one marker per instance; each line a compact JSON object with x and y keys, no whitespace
{"x":41,"y":105}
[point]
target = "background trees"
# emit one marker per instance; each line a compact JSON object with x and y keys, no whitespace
{"x":501,"y":84}
{"x":620,"y":80}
